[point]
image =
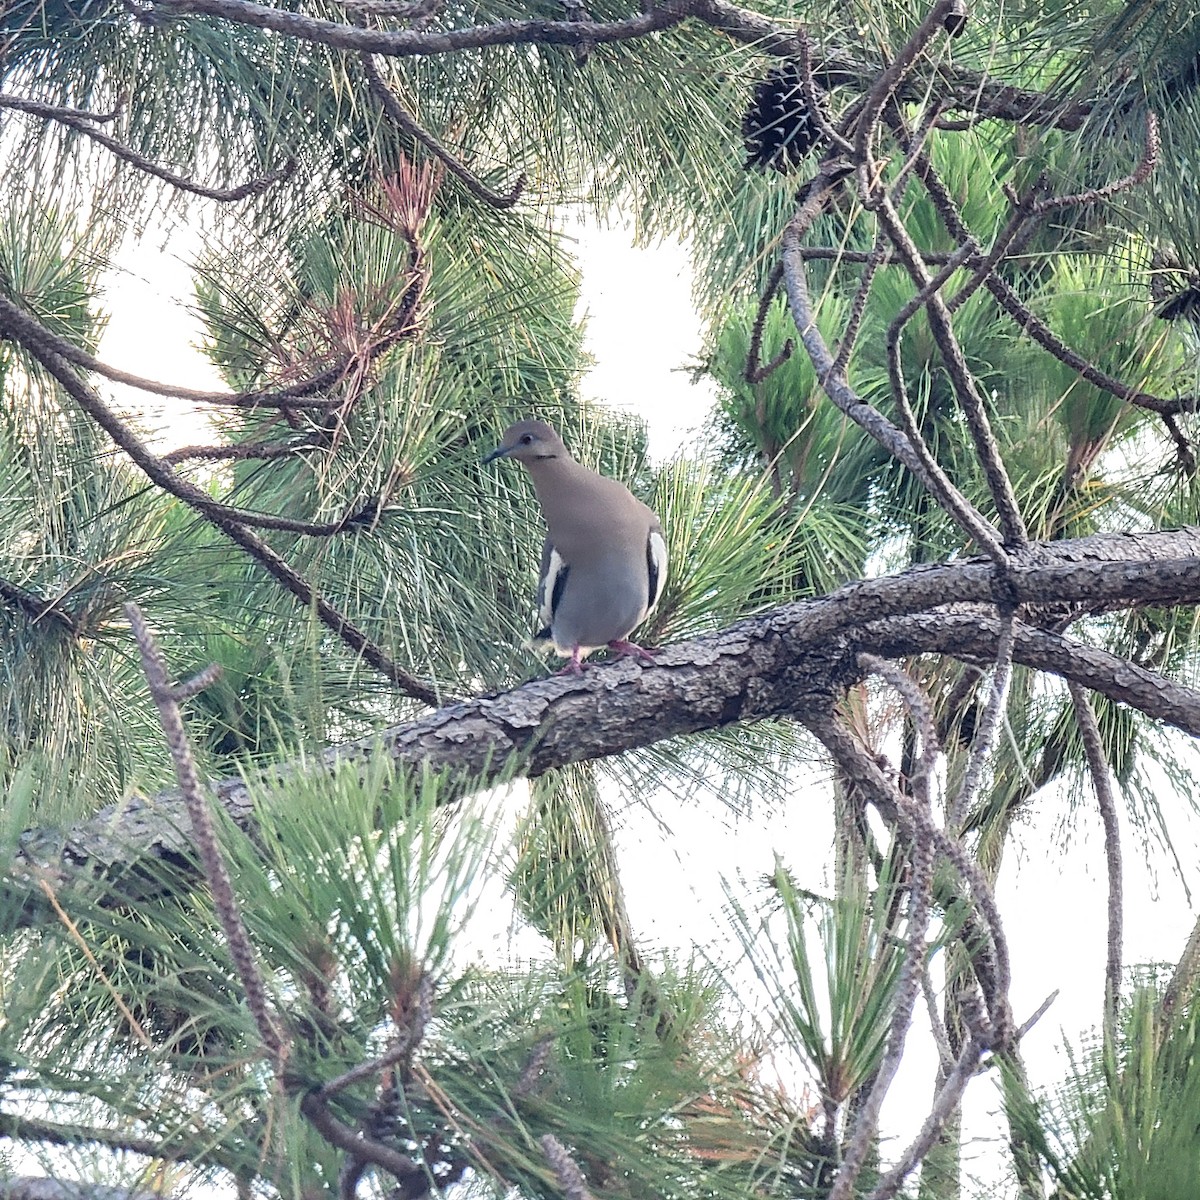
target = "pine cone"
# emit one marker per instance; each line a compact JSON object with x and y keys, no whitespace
{"x":778,"y":128}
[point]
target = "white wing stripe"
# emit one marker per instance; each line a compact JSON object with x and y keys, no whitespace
{"x":656,"y":553}
{"x":546,"y":588}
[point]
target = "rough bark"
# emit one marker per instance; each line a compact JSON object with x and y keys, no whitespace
{"x":788,"y":662}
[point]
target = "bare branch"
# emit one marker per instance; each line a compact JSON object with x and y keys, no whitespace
{"x":1037,"y":1015}
{"x":918,"y":826}
{"x":53,"y":1133}
{"x":944,"y":1105}
{"x":1183,"y":979}
{"x":39,"y":338}
{"x":1140,"y":175}
{"x":904,"y":998}
{"x":889,"y":80}
{"x":858,"y":307}
{"x":1093,"y":746}
{"x":984,"y":740}
{"x":960,"y":376}
{"x":920,"y":709}
{"x":570,"y":1178}
{"x":835,"y":384}
{"x":755,"y":372}
{"x":239,"y":452}
{"x":357,"y":1145}
{"x":939,"y":482}
{"x":26,"y":1187}
{"x":936,"y":1025}
{"x":26,"y":331}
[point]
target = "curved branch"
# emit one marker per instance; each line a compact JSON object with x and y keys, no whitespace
{"x":836,"y":386}
{"x":401,"y":43}
{"x":1097,"y":760}
{"x":84,"y":123}
{"x":396,"y":111}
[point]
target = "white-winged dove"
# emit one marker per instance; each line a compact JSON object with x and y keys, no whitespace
{"x":604,"y":563}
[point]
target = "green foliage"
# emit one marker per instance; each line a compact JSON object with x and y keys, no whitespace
{"x":359,"y":894}
{"x":1124,"y":1128}
{"x":830,"y":977}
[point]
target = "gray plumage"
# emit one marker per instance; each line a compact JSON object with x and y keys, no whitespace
{"x":604,"y":563}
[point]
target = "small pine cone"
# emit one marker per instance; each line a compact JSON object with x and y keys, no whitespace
{"x":778,"y":128}
{"x":1176,"y":289}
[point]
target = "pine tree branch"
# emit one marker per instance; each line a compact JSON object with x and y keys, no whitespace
{"x":407,"y":42}
{"x":204,"y":831}
{"x":946,"y":86}
{"x":84,"y":123}
{"x":232,"y":522}
{"x":789,"y":661}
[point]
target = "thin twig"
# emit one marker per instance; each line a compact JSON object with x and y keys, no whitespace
{"x":920,"y":709}
{"x":943,"y":490}
{"x":1038,"y":1014}
{"x":238,"y":452}
{"x":988,"y":727}
{"x":755,"y":372}
{"x":61,"y":913}
{"x":917,"y":824}
{"x":341,"y":1136}
{"x":858,"y":306}
{"x":812,"y":101}
{"x":937,"y":1026}
{"x":293,"y":396}
{"x":407,"y":1040}
{"x":890,"y":79}
{"x":944,"y":1105}
{"x":71,"y":119}
{"x":1183,"y":980}
{"x":904,"y":998}
{"x":835,"y":385}
{"x":570,"y":1178}
{"x":1097,"y":760}
{"x":1136,"y":178}
{"x":961,"y":378}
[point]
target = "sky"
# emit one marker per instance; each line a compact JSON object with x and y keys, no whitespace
{"x":642,"y":331}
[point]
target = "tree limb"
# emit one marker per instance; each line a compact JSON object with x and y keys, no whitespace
{"x":787,"y":661}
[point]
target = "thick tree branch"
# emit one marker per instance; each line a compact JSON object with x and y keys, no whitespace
{"x":400,"y":43}
{"x":945,"y":85}
{"x":789,"y":661}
